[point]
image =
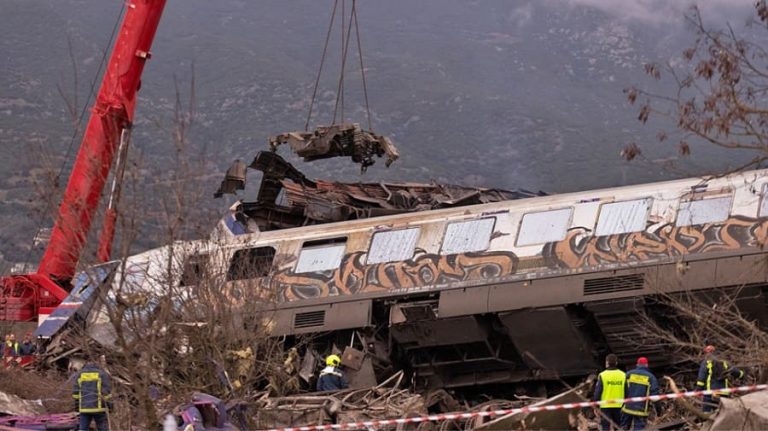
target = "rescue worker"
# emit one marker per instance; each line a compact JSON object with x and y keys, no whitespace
{"x":92,"y":392}
{"x":610,"y":386}
{"x":714,"y":374}
{"x":27,"y":347}
{"x":640,"y":383}
{"x":11,"y":347}
{"x":331,"y":378}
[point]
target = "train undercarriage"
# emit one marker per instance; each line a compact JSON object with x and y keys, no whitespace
{"x":528,"y":351}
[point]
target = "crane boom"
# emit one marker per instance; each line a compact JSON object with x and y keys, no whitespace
{"x":112,"y":113}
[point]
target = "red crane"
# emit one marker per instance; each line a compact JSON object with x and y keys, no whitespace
{"x":107,"y":131}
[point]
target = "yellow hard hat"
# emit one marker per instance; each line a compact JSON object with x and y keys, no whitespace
{"x":333,"y":361}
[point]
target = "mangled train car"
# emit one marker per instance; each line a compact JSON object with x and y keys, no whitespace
{"x":523,"y":290}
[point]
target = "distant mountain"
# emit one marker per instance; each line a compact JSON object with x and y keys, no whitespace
{"x":493,"y":93}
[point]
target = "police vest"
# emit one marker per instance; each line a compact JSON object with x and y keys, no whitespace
{"x":613,"y":387}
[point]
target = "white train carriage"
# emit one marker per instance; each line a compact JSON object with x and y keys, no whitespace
{"x":477,"y":294}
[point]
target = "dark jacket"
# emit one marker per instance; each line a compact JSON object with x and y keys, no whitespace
{"x":640,"y":383}
{"x":92,"y":390}
{"x":331,"y":379}
{"x":27,"y":348}
{"x":714,"y":373}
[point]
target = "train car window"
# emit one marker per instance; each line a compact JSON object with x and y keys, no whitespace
{"x":545,"y":226}
{"x":764,"y":202}
{"x":623,"y":217}
{"x":701,"y":211}
{"x":251,"y":263}
{"x":393,"y":245}
{"x":321,"y":255}
{"x":467,"y":236}
{"x":194,"y":270}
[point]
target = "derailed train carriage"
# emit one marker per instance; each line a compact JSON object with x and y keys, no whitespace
{"x":531,"y":289}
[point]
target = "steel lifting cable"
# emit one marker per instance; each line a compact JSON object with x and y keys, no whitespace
{"x":340,"y":88}
{"x":362,"y":69}
{"x":80,"y":117}
{"x":346,"y":31}
{"x":340,"y":94}
{"x":344,"y":44}
{"x":322,"y":62}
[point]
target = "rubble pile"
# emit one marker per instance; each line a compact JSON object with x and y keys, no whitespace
{"x":45,"y":399}
{"x":350,"y":405}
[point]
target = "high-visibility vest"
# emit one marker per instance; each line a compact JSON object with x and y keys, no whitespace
{"x":642,"y":381}
{"x":89,"y":396}
{"x":613,"y":387}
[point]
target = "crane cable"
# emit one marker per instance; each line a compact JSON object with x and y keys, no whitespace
{"x":78,"y":124}
{"x":362,"y":69}
{"x":322,"y":62}
{"x":340,"y":88}
{"x":339,"y":103}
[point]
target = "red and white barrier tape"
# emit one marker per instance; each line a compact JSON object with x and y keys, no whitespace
{"x":529,"y":409}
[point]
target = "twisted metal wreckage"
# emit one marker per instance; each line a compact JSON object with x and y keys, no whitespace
{"x":318,"y":201}
{"x":460,"y":288}
{"x":308,"y":202}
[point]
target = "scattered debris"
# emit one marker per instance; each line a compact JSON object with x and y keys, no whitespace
{"x":234,"y":179}
{"x":13,"y":405}
{"x":59,"y":422}
{"x":339,"y":140}
{"x":384,"y":401}
{"x":544,"y":420}
{"x":317,"y":201}
{"x":204,"y":413}
{"x":747,"y":413}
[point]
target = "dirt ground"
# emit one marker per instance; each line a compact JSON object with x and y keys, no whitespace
{"x":51,"y":387}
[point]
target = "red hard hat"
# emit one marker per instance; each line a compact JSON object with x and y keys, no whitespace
{"x":642,"y":360}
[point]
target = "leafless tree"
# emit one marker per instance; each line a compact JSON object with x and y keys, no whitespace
{"x":721,"y":95}
{"x":181,"y":327}
{"x":719,"y":99}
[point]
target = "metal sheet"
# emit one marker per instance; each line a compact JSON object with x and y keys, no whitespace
{"x":393,"y":245}
{"x":543,"y":227}
{"x":343,"y":315}
{"x":686,"y":276}
{"x":741,"y":270}
{"x":463,"y":302}
{"x":533,"y":332}
{"x":623,"y":217}
{"x":352,"y":358}
{"x":78,"y":302}
{"x":467,"y":236}
{"x":320,"y":258}
{"x":441,"y":332}
{"x":764,"y":201}
{"x":703,"y":211}
{"x":364,"y":377}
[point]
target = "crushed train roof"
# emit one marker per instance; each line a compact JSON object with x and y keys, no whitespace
{"x":287,"y":198}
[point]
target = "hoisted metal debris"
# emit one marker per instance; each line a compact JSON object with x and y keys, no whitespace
{"x":339,"y":140}
{"x":318,"y":201}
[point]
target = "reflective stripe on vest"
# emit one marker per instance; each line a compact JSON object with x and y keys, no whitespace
{"x":90,"y":377}
{"x":613,"y":387}
{"x":330,"y":371}
{"x":711,"y":369}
